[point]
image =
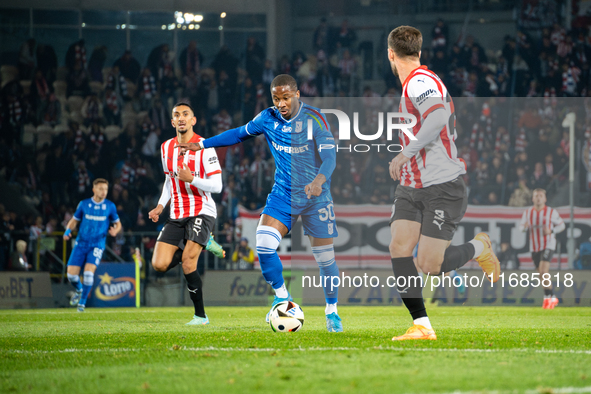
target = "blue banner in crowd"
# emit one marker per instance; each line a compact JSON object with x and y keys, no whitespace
{"x":114,"y":285}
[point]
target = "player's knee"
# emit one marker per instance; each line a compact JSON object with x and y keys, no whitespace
{"x":159,"y":264}
{"x":430,"y":264}
{"x":399,"y":248}
{"x":267,"y":240}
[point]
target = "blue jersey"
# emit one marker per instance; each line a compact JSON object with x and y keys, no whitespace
{"x":298,"y":158}
{"x":96,"y":219}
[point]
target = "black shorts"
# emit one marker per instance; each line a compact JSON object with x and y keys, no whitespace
{"x":439,"y":208}
{"x":177,"y":231}
{"x":542,"y":255}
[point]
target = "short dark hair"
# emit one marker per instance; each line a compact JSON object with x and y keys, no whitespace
{"x":284,"y":80}
{"x":186,"y":104}
{"x":100,"y":180}
{"x":405,"y":41}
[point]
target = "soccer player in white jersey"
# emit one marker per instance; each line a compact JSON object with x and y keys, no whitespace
{"x":190,"y":180}
{"x":543,"y":224}
{"x":431,"y":198}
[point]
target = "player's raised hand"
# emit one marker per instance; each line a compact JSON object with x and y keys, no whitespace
{"x":154,"y":214}
{"x":185,"y":174}
{"x":396,"y":166}
{"x":186,"y":146}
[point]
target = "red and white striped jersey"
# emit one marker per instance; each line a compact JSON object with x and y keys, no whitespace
{"x":186,"y":199}
{"x":438,"y":162}
{"x":536,"y":222}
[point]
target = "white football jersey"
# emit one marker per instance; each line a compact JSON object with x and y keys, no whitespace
{"x":438,"y":162}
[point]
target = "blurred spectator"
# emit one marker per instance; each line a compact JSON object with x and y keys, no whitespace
{"x":321,"y":36}
{"x":439,"y":36}
{"x":117,"y":83}
{"x":76,"y":54}
{"x":78,"y":81}
{"x":96,"y":63}
{"x":243,"y":255}
{"x":39,"y":96}
{"x":27,"y":59}
{"x":158,"y":61}
{"x":18,"y":258}
{"x":47,"y":61}
{"x":158,"y":115}
{"x":168,"y":85}
{"x":128,"y":65}
{"x":191,"y":59}
{"x":346,"y":36}
{"x":92,"y":110}
{"x":5,"y":229}
{"x":255,"y":57}
{"x":583,"y":261}
{"x":112,"y":108}
{"x":146,"y":88}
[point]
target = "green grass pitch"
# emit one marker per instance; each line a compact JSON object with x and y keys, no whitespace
{"x":480,"y":349}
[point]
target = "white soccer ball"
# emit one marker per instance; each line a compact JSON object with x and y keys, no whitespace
{"x":286,"y":316}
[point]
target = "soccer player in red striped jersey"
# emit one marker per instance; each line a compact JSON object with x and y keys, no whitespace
{"x":190,"y":179}
{"x":543,"y":224}
{"x":431,"y":198}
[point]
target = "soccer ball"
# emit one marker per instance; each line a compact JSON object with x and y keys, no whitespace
{"x":286,"y":316}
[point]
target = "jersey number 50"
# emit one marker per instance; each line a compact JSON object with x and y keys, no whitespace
{"x":326,"y":213}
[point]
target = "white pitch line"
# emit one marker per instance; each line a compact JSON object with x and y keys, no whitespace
{"x":553,"y":390}
{"x":300,"y":349}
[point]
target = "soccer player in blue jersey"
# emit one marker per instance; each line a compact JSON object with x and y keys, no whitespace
{"x":304,"y":165}
{"x":96,"y":215}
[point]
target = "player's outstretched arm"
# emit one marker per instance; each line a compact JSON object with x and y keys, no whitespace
{"x":523,"y":226}
{"x":227,"y":138}
{"x":559,"y":225}
{"x":328,"y":155}
{"x":154,"y":214}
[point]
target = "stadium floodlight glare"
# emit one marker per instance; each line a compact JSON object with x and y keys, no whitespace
{"x":198,"y":18}
{"x":184,"y":27}
{"x":171,"y":26}
{"x":163,"y":27}
{"x":223,"y":15}
{"x":189,"y":17}
{"x":197,"y":26}
{"x":180,"y":20}
{"x":83,"y":24}
{"x":123,"y":26}
{"x":220,"y":27}
{"x":191,"y":27}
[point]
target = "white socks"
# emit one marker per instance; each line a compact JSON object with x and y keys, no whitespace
{"x":478,"y":247}
{"x":423,"y":321}
{"x":282,"y":292}
{"x":330,"y":308}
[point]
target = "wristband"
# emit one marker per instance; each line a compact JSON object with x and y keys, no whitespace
{"x":68,"y":232}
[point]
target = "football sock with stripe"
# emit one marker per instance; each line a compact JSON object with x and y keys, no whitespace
{"x":75,"y":281}
{"x":267,"y":241}
{"x":408,"y":283}
{"x":329,"y":271}
{"x":195,"y":287}
{"x":86,"y":286}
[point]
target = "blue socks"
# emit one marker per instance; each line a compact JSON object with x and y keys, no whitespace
{"x":267,"y":242}
{"x":324,"y":256}
{"x":87,"y":286}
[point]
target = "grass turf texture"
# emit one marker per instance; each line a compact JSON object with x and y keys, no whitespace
{"x":151,"y":350}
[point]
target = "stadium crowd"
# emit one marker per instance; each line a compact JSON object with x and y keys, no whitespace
{"x":88,"y":119}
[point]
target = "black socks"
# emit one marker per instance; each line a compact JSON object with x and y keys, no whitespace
{"x":457,"y":256}
{"x":177,"y":258}
{"x":195,"y":287}
{"x":409,"y":285}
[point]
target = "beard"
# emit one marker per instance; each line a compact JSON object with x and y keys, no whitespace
{"x":394,"y":69}
{"x":182,"y":131}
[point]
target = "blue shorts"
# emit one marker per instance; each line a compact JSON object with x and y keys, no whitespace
{"x":85,"y":254}
{"x":318,"y":218}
